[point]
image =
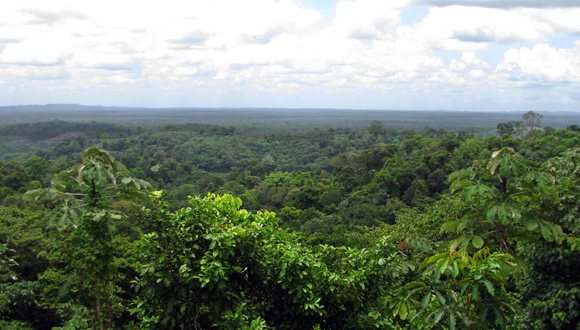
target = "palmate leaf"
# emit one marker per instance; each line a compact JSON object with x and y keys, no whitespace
{"x":61,"y":180}
{"x":461,"y":241}
{"x":458,"y":175}
{"x":460,"y":184}
{"x":34,"y":195}
{"x":493,"y":165}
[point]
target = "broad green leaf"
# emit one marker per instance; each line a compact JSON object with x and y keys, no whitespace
{"x":489,"y":287}
{"x":465,"y":243}
{"x":531,"y":224}
{"x":99,"y":215}
{"x":75,"y":217}
{"x":546,"y":232}
{"x":477,"y":241}
{"x":502,"y":214}
{"x":457,"y":175}
{"x":449,"y":225}
{"x":454,"y":244}
{"x":426,"y":300}
{"x":451,"y":321}
{"x":475,"y":292}
{"x":491,"y":214}
{"x":499,"y":318}
{"x":494,"y":164}
{"x":62,"y":222}
{"x":415,"y":284}
{"x":457,"y":185}
{"x":32,"y":194}
{"x":440,"y":297}
{"x":438,"y":316}
{"x":403,"y":313}
{"x":444,"y":264}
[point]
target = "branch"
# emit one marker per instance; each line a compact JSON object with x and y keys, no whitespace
{"x":113,"y":196}
{"x":521,"y":192}
{"x":70,"y":194}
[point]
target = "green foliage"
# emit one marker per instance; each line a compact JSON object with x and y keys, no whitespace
{"x":89,"y":245}
{"x":501,"y":189}
{"x":337,"y":186}
{"x":550,"y":294}
{"x":213,"y":264}
{"x":461,"y":288}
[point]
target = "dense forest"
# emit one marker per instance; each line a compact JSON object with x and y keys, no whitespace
{"x":194,"y":225}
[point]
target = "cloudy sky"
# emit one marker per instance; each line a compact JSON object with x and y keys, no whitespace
{"x":358,"y":54}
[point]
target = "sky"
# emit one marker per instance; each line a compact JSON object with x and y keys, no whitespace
{"x":482,"y":55}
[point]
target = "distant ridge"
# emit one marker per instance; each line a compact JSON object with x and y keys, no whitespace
{"x":60,"y":107}
{"x":79,"y":107}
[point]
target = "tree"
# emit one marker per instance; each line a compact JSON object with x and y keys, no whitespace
{"x":510,"y":128}
{"x":505,"y":128}
{"x":87,"y":215}
{"x":377,"y":128}
{"x":500,"y":190}
{"x":214,"y":265}
{"x":532,"y":120}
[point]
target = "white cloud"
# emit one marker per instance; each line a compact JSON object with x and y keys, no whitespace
{"x":476,"y":73}
{"x":367,"y":19}
{"x":544,"y":62}
{"x":472,"y":29}
{"x":503,"y":4}
{"x":277,"y":46}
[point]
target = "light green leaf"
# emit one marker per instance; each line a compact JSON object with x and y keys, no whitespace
{"x":502,"y":214}
{"x":491,"y":214}
{"x":449,"y":225}
{"x":454,"y":244}
{"x":477,"y":241}
{"x":457,"y":185}
{"x":443,"y":266}
{"x":457,"y":175}
{"x":403,"y":313}
{"x":531,"y":224}
{"x":440,"y":297}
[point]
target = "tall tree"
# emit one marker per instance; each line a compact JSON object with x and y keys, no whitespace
{"x":532,"y":120}
{"x":87,"y":214}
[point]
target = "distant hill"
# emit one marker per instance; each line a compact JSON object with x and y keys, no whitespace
{"x":58,"y":130}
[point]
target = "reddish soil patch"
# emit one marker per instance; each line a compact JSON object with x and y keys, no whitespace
{"x":67,"y":136}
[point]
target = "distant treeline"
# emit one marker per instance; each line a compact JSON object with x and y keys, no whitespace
{"x":50,"y":129}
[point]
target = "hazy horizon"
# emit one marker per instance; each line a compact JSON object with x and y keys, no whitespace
{"x":60,"y":105}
